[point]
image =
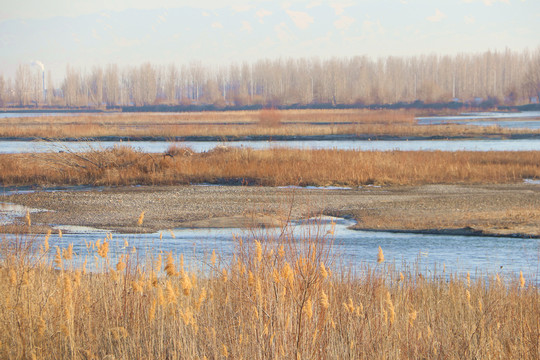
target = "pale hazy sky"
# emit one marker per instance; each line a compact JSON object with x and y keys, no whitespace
{"x":88,"y":33}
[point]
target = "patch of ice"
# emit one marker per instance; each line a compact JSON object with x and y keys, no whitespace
{"x":206,"y":184}
{"x":9,"y":212}
{"x":76,"y":229}
{"x":17,"y":192}
{"x":532,"y":181}
{"x":325,"y":220}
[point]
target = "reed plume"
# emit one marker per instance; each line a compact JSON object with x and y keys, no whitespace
{"x":380,"y":256}
{"x":141,"y":218}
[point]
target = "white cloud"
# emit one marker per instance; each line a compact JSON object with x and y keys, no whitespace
{"x":261,"y":14}
{"x":339,"y":6}
{"x":217,"y":25}
{"x":314,"y":3}
{"x":488,"y":2}
{"x":246,"y":26}
{"x":301,"y":19}
{"x":283,"y":32}
{"x":372,"y":27}
{"x":242,"y":8}
{"x":437,"y":17}
{"x":469,"y":19}
{"x":125,"y":42}
{"x":344,"y":22}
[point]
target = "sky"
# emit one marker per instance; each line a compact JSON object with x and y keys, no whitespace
{"x":84,"y":34}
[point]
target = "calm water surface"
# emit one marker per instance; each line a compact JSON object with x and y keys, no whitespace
{"x":11,"y":147}
{"x":458,"y":254}
{"x":520,"y":120}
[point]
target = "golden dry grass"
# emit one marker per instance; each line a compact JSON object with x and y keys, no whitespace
{"x":278,"y":298}
{"x":266,"y":122}
{"x":501,"y":222}
{"x":124,"y":165}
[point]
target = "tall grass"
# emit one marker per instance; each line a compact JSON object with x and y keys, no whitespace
{"x":124,"y":165}
{"x":282,"y":297}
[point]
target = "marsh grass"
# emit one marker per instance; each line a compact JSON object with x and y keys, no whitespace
{"x":232,"y":124}
{"x":276,"y":297}
{"x":123,"y":165}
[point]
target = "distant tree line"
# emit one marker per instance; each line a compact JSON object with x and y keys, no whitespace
{"x":492,"y":77}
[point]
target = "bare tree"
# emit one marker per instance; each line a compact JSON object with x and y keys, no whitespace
{"x":23,"y":83}
{"x":532,"y":77}
{"x":171,"y":84}
{"x":50,"y":94}
{"x":95,"y":86}
{"x":72,"y":88}
{"x":111,"y":85}
{"x":506,"y":76}
{"x":147,"y":83}
{"x":2,"y":91}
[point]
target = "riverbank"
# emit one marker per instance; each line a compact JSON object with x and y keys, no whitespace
{"x":489,"y":210}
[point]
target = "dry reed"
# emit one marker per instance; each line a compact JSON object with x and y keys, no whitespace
{"x":124,"y":165}
{"x":275,"y":298}
{"x":266,"y":122}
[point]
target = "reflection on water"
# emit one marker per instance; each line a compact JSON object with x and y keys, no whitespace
{"x":459,"y":254}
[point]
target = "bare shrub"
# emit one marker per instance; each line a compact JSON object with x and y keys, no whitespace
{"x":269,"y":117}
{"x":178,"y":150}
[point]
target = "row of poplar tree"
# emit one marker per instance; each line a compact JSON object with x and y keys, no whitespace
{"x":506,"y":77}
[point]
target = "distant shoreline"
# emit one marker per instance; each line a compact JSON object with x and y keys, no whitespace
{"x":417,"y":105}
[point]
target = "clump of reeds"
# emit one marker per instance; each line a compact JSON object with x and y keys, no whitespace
{"x":178,"y":150}
{"x":270,"y":117}
{"x":279,"y":295}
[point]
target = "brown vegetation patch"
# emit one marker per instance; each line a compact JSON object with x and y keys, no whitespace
{"x":266,"y":122}
{"x":125,"y":166}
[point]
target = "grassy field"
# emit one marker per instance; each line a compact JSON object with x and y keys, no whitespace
{"x":236,"y":124}
{"x":279,"y":298}
{"x":126,"y":166}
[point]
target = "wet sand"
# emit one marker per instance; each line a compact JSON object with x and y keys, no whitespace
{"x":510,"y":210}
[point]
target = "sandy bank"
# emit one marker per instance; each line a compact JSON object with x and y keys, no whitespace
{"x":510,"y":210}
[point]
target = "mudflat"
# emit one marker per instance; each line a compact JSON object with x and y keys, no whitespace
{"x":510,"y":209}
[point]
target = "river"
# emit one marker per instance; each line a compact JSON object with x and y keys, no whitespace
{"x":407,"y":251}
{"x":12,"y":147}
